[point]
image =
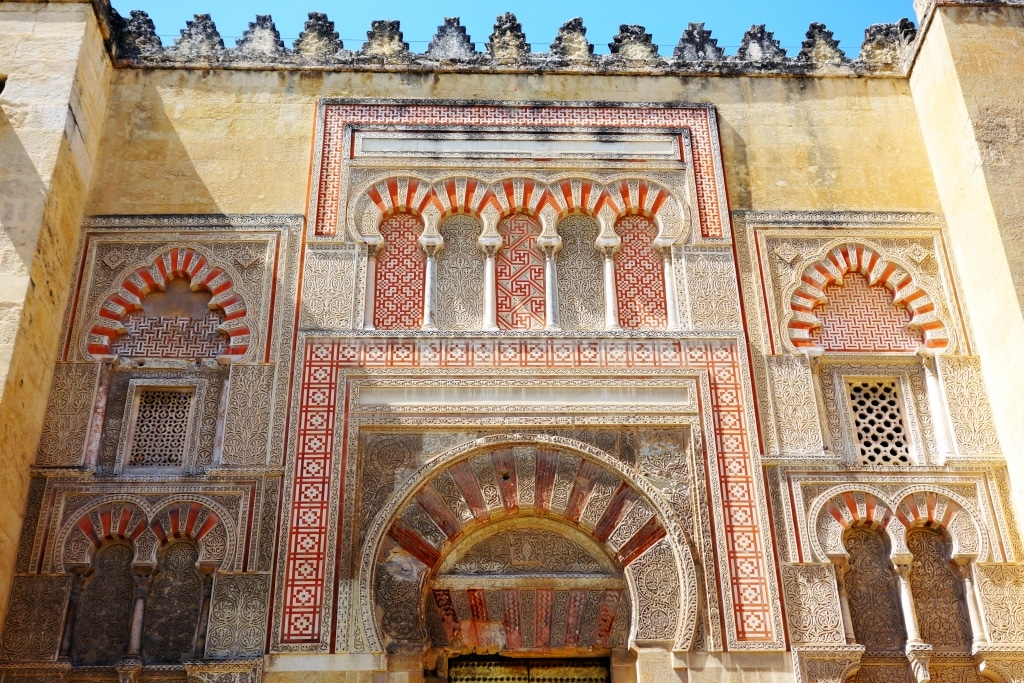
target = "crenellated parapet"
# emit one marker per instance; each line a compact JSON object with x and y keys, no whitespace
{"x":886,"y":49}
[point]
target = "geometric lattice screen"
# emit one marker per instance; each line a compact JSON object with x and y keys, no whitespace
{"x":878,"y":421}
{"x":161,"y":431}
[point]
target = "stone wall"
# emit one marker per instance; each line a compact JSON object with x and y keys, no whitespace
{"x":52,"y":112}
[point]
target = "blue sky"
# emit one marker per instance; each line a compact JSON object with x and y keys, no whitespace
{"x":727,"y":19}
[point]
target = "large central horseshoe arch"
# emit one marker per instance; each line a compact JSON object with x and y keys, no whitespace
{"x":503,"y":516}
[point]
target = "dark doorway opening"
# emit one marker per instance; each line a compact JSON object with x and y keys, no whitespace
{"x":475,"y":669}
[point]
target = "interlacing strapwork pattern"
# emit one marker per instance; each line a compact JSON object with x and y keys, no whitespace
{"x":580,"y":277}
{"x":861,"y":319}
{"x":938,"y":592}
{"x":401,"y":263}
{"x":519,"y":272}
{"x":460,"y":275}
{"x":873,"y":591}
{"x":151,"y":336}
{"x":639,"y":276}
{"x":161,"y":427}
{"x":878,"y":422}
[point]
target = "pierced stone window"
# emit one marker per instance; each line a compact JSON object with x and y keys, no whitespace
{"x":877,"y":409}
{"x":161,"y":427}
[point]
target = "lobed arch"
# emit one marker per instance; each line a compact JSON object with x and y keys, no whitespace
{"x":401,"y":535}
{"x":841,"y":258}
{"x":177,"y":262}
{"x":146,"y":528}
{"x":842,"y":507}
{"x":492,"y":201}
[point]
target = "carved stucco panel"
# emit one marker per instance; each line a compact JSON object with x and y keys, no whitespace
{"x":247,"y":423}
{"x":794,"y":405}
{"x":711,"y":290}
{"x":1001,"y":587}
{"x":238,"y":615}
{"x":35,"y":614}
{"x":969,"y":409}
{"x":68,"y":413}
{"x":812,"y":604}
{"x":329,"y":288}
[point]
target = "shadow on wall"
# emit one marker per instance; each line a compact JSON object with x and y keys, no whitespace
{"x":737,"y":170}
{"x":141,"y":143}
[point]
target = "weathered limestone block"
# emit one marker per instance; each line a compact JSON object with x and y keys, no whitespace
{"x":384,"y":39}
{"x":759,"y":46}
{"x":697,"y":45}
{"x":571,"y":41}
{"x":633,"y":43}
{"x":54,"y":103}
{"x":451,"y":42}
{"x":318,"y":40}
{"x":508,"y":42}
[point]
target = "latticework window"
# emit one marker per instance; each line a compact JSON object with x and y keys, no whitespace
{"x":162,"y":425}
{"x":878,"y":422}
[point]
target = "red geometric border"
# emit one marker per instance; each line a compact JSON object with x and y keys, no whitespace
{"x":304,"y":590}
{"x":337,"y":116}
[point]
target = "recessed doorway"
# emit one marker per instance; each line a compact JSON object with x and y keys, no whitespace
{"x":510,"y":670}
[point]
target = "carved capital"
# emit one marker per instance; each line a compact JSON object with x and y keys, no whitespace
{"x":919,"y":655}
{"x":128,"y":670}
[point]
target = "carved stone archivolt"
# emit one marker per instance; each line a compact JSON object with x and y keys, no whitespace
{"x":550,"y":491}
{"x":843,"y":507}
{"x":141,"y":526}
{"x":203,"y":270}
{"x":829,"y":265}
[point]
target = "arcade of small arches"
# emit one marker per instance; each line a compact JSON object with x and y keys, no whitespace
{"x":904,"y":570}
{"x":520,"y":255}
{"x":141,"y":581}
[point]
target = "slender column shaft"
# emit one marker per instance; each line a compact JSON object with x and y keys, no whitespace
{"x":671,"y":295}
{"x":490,"y":292}
{"x":937,"y":406}
{"x":430,"y":293}
{"x":204,"y":613}
{"x":844,"y":602}
{"x":370,"y":300}
{"x":138,"y":616}
{"x":907,"y":602}
{"x":611,"y":302}
{"x":978,"y":634}
{"x":551,"y":317}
